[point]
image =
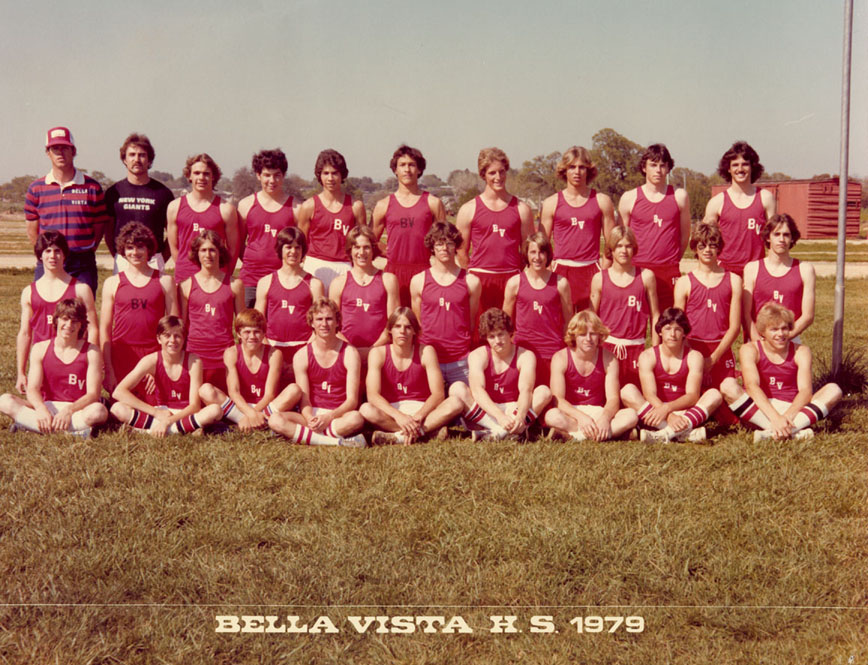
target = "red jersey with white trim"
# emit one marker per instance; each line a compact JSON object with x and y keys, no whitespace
{"x":412,"y":383}
{"x":260,"y":257}
{"x":286,"y":310}
{"x":172,"y":393}
{"x":587,"y":390}
{"x":64,"y":382}
{"x":502,"y":386}
{"x":707,"y":308}
{"x":671,"y":386}
{"x":210,"y":317}
{"x":252,"y":383}
{"x":624,"y":310}
{"x":741,"y":229}
{"x":495,"y":237}
{"x":778,"y":381}
{"x":363,"y":310}
{"x":328,"y":385}
{"x":190,"y":225}
{"x":406,"y":229}
{"x":785,"y":290}
{"x":539,"y":317}
{"x":445,"y":314}
{"x":576,"y":230}
{"x":42,"y":312}
{"x":327,"y":235}
{"x":137,"y":311}
{"x":658,"y":229}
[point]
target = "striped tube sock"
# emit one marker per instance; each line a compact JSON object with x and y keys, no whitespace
{"x":529,"y":417}
{"x":696,"y":415}
{"x":809,"y":415}
{"x":185,"y":425}
{"x":643,"y":410}
{"x":746,"y":409}
{"x":230,"y":413}
{"x":307,"y":437}
{"x":140,"y":420}
{"x":474,"y":414}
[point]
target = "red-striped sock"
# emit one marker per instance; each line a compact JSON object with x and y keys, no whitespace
{"x":809,"y":414}
{"x":474,"y":414}
{"x":140,"y":420}
{"x":185,"y":425}
{"x":302,"y":435}
{"x":696,"y":415}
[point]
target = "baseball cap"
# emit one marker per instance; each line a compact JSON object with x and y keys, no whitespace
{"x":58,"y":136}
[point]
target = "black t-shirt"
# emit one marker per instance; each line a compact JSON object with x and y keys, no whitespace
{"x":147,"y":204}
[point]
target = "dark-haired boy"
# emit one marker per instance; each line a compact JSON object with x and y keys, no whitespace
{"x":659,"y":215}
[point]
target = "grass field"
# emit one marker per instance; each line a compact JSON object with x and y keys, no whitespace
{"x":123,"y":549}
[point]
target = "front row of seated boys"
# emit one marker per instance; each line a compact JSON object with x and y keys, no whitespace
{"x":406,"y":400}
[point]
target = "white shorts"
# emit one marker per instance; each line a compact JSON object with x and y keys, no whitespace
{"x":325,"y":271}
{"x":590,"y":410}
{"x":407,"y":406}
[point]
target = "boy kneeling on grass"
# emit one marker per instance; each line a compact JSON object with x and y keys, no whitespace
{"x":584,"y":382}
{"x":406,"y":399}
{"x":252,"y":375}
{"x":670,"y":403}
{"x":501,"y":401}
{"x":64,"y":379}
{"x":326,"y":387}
{"x":777,"y":395}
{"x":178,"y":377}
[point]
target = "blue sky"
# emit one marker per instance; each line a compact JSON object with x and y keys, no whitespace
{"x":448,"y":77}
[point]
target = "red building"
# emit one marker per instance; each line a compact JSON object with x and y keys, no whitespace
{"x":813,"y":204}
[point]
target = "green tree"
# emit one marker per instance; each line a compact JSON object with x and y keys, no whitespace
{"x":163,"y":176}
{"x":243,"y":183}
{"x":537,"y":178}
{"x":617,"y":160}
{"x":698,"y":189}
{"x":430,"y":181}
{"x":777,"y":176}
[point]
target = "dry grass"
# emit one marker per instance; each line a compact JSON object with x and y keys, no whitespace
{"x":732,"y":552}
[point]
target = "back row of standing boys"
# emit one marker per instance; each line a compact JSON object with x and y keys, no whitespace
{"x":311,"y":324}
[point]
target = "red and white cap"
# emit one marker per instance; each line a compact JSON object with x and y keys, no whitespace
{"x":59,"y":136}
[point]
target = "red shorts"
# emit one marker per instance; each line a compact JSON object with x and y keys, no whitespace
{"x":404,"y":273}
{"x":628,"y":366}
{"x":722,"y":369}
{"x":666,"y":277}
{"x":579,"y":278}
{"x":125,"y":357}
{"x":543,"y":371}
{"x":287,"y":375}
{"x":493,"y":287}
{"x":216,"y":376}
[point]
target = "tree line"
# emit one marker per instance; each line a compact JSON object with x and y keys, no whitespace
{"x":616,"y":157}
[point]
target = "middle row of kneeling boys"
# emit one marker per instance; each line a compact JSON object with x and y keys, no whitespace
{"x":407,"y":400}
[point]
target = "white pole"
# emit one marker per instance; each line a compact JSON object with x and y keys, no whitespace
{"x":838,"y":325}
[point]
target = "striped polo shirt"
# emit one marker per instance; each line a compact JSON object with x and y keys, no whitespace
{"x":76,"y":209}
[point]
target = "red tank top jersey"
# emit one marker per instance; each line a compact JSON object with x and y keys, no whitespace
{"x":707,"y":308}
{"x":262,"y":229}
{"x":64,"y":382}
{"x":778,"y":381}
{"x":502,"y":386}
{"x":741,"y":229}
{"x":412,"y":383}
{"x":210,"y":321}
{"x":327,"y":235}
{"x":174,"y":394}
{"x":658,"y":229}
{"x":624,"y":310}
{"x":495,"y":237}
{"x":587,"y":390}
{"x":576,"y":231}
{"x":328,"y":385}
{"x":785,"y":290}
{"x":671,"y":386}
{"x":190,"y":225}
{"x":42,"y":312}
{"x":539,"y":318}
{"x":286,"y":310}
{"x":406,"y":229}
{"x":363,"y":310}
{"x":137,"y":311}
{"x":252,"y":385}
{"x":446,"y":317}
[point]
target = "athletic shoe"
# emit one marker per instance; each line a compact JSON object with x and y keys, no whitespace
{"x":84,"y":433}
{"x":803,"y":434}
{"x":14,"y":427}
{"x":762,"y":435}
{"x":386,"y":439}
{"x":493,"y":434}
{"x":654,"y":436}
{"x":577,"y":436}
{"x":441,"y":435}
{"x":693,"y":436}
{"x":357,"y":441}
